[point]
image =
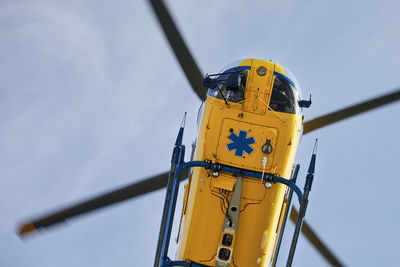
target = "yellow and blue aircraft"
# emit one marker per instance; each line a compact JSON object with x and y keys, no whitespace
{"x":242,"y":172}
{"x":251,"y":119}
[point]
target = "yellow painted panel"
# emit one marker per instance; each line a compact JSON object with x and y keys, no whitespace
{"x":253,"y":160}
{"x":251,"y":189}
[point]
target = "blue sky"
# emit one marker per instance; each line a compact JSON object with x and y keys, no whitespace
{"x":91,"y":98}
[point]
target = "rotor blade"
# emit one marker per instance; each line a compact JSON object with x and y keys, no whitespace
{"x":348,"y":112}
{"x":124,"y":193}
{"x":315,"y":240}
{"x":182,"y":53}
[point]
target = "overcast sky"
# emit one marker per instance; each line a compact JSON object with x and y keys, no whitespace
{"x":91,"y":98}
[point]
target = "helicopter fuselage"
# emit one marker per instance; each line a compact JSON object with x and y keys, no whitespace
{"x":247,"y":134}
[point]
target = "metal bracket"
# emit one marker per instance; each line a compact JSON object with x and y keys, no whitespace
{"x":229,"y":228}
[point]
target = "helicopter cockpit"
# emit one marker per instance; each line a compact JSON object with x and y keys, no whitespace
{"x":229,"y":85}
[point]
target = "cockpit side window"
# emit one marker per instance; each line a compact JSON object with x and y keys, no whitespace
{"x":229,"y":86}
{"x":284,"y":97}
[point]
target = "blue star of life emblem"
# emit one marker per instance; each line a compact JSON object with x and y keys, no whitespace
{"x":241,"y":143}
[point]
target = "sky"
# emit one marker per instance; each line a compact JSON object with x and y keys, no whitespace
{"x":91,"y":99}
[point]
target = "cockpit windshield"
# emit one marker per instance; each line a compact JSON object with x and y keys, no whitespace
{"x":284,"y":96}
{"x":229,"y":85}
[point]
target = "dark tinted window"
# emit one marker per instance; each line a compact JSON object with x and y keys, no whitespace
{"x":229,"y":86}
{"x":284,"y":97}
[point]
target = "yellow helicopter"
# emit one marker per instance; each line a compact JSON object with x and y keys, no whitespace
{"x":254,"y":105}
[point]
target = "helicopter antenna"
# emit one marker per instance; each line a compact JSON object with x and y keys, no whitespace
{"x":315,"y":146}
{"x":183,"y":120}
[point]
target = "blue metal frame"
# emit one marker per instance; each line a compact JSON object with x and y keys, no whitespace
{"x":169,"y":263}
{"x":303,"y":205}
{"x":233,"y":170}
{"x":287,"y":211}
{"x":177,"y":166}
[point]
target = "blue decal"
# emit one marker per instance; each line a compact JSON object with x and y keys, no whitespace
{"x":241,"y":143}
